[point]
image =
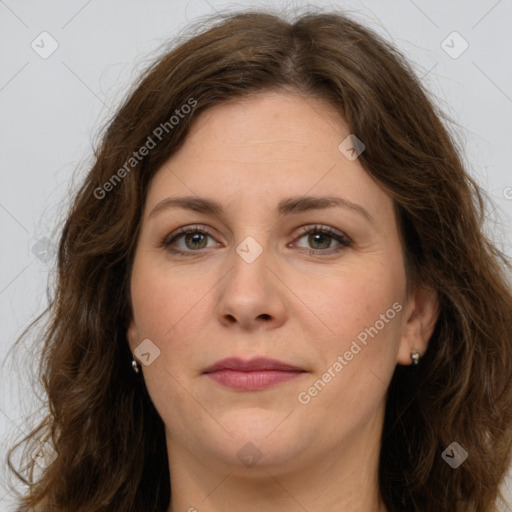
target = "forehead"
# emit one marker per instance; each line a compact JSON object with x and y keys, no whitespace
{"x":262,"y":148}
{"x":270,"y":124}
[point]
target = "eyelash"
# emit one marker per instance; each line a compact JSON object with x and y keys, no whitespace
{"x":343,"y":240}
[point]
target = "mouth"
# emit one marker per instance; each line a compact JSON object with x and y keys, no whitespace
{"x":253,"y":375}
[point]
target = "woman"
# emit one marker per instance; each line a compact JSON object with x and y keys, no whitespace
{"x":274,"y":292}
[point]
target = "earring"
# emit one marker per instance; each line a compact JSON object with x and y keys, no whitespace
{"x":415,"y":357}
{"x":135,"y":366}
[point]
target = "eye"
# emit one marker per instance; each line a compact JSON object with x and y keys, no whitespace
{"x":190,"y":241}
{"x":194,"y":238}
{"x":320,"y":238}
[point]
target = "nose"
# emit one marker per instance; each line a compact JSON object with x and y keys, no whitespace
{"x":251,"y":296}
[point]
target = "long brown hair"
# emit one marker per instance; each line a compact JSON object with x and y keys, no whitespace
{"x":107,"y":434}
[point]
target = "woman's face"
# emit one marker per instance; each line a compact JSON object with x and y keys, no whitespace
{"x":260,"y":279}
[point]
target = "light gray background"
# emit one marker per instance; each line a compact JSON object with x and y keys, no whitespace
{"x":52,"y":108}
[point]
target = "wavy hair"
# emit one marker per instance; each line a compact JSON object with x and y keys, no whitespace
{"x":101,"y":422}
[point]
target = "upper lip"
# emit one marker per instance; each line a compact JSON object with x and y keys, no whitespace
{"x":256,"y":364}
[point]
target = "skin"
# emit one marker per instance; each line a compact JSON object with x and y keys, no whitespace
{"x":289,"y":304}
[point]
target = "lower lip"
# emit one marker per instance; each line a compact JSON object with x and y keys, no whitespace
{"x":252,"y":380}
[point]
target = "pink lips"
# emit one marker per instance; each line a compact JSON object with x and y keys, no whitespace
{"x":252,"y":375}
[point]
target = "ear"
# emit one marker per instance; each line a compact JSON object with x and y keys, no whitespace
{"x":420,"y":318}
{"x":132,"y":335}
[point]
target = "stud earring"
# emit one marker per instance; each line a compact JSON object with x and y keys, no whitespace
{"x":415,"y":358}
{"x":135,"y":366}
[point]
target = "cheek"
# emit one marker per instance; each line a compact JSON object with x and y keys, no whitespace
{"x":357,"y":301}
{"x":171,"y":305}
{"x":162,"y":298}
{"x":165,"y":307}
{"x":358,"y":360}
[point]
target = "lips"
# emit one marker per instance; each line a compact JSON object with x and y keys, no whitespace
{"x":253,"y":375}
{"x":258,"y":364}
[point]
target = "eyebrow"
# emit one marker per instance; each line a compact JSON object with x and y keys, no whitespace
{"x":285,"y":206}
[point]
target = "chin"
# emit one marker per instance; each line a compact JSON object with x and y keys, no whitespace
{"x":259,"y":439}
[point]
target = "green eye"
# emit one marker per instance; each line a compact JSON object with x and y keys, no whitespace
{"x":195,"y":239}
